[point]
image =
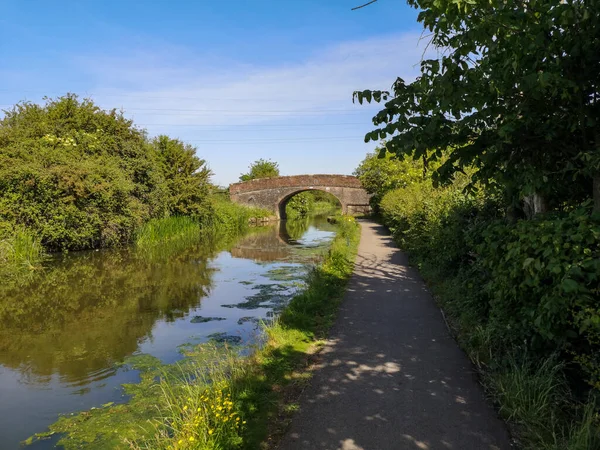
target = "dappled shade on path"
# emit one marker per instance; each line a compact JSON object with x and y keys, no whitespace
{"x":391,"y":376}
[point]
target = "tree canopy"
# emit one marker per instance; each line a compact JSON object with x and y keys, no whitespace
{"x":261,"y":168}
{"x":186,"y":176}
{"x":81,"y":177}
{"x":382,"y":171}
{"x":512,"y":93}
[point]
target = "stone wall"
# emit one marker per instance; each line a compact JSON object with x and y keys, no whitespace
{"x":273,"y":193}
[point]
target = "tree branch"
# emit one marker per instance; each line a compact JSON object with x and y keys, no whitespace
{"x":362,"y":6}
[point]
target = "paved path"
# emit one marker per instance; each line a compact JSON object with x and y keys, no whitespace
{"x":391,"y":376}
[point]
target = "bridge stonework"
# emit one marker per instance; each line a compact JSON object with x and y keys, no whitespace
{"x":273,"y":193}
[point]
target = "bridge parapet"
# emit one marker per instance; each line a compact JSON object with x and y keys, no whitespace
{"x":273,"y":193}
{"x":296,"y":181}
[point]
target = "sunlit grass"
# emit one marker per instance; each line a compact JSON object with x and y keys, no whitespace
{"x":21,"y":253}
{"x":232,"y":218}
{"x":324,"y":207}
{"x":168,"y":230}
{"x":199,"y":406}
{"x":170,"y":235}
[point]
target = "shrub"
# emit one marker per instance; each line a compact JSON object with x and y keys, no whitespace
{"x":77,"y":176}
{"x":543,"y":280}
{"x":524,"y":298}
{"x":186,"y":177}
{"x":300,"y":205}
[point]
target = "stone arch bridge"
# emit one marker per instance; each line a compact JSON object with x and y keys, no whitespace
{"x":274,"y":193}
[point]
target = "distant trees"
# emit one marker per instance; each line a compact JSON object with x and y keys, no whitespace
{"x":382,"y":171}
{"x":261,"y":168}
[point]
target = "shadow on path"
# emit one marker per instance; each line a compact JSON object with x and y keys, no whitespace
{"x":391,"y":376}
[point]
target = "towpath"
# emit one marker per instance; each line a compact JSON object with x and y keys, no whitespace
{"x":391,"y":377}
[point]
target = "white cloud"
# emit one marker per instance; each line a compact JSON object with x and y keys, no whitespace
{"x":298,"y":113}
{"x":175,"y":87}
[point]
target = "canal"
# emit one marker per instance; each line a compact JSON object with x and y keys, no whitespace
{"x":66,"y":337}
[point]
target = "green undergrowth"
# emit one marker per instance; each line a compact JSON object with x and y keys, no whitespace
{"x":219,"y":396}
{"x":231,"y":218}
{"x":174,"y":231}
{"x":21,"y":254}
{"x":522,"y":300}
{"x":169,"y":235}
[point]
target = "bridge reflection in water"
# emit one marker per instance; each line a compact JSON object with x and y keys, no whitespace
{"x":279,"y":242}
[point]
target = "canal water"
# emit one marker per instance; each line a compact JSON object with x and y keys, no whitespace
{"x":65,"y":338}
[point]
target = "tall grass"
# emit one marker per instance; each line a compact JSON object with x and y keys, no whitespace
{"x":160,"y":237}
{"x":198,"y":407}
{"x":535,"y":398}
{"x":323,"y":207}
{"x":168,"y":229}
{"x":231,"y":218}
{"x":531,"y":393}
{"x":21,"y":253}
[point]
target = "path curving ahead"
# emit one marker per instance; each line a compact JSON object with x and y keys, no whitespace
{"x":391,"y":377}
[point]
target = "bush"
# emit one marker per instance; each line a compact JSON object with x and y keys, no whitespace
{"x":80,"y":177}
{"x":543,"y":281}
{"x":523,"y":297}
{"x":186,"y":177}
{"x":77,"y":176}
{"x":300,"y":205}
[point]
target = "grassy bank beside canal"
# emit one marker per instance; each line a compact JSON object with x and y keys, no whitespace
{"x":218,"y":396}
{"x":22,"y":254}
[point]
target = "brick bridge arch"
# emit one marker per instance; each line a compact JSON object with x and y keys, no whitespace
{"x":274,"y":193}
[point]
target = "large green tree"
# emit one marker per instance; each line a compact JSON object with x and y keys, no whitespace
{"x":261,"y":168}
{"x":382,"y":171}
{"x":76,"y":175}
{"x":186,"y":176}
{"x":513,"y":93}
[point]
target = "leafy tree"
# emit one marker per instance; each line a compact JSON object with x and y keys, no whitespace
{"x":381,"y":172}
{"x":300,"y":205}
{"x":261,"y":169}
{"x":186,"y":176}
{"x":76,"y":175}
{"x":514,"y":93}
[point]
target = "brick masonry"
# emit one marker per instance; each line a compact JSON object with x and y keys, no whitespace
{"x":273,"y":193}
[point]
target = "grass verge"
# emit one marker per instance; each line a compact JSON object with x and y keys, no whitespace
{"x":217,"y":398}
{"x":532,"y":395}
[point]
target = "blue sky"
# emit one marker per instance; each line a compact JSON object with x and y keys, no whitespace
{"x":238,"y":79}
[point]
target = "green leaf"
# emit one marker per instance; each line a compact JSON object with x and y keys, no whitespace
{"x":568,"y":285}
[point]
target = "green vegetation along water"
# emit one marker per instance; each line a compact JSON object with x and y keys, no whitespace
{"x":66,"y":336}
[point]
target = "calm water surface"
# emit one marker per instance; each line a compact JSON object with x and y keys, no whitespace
{"x":64,"y":338}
